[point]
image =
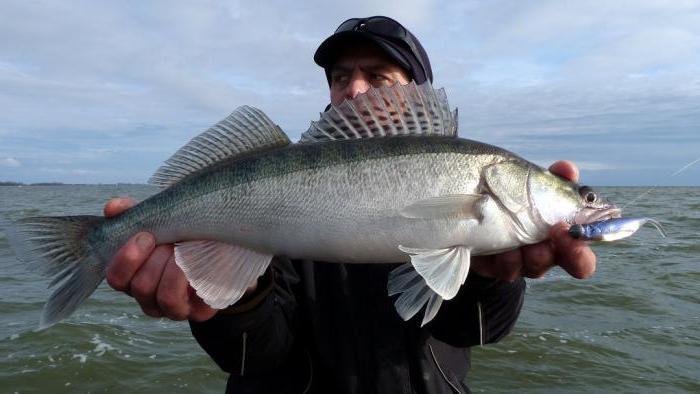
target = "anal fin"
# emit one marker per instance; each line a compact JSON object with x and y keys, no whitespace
{"x":220,"y":272}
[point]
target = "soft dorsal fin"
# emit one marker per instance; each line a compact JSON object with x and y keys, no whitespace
{"x":247,"y":129}
{"x":387,"y":111}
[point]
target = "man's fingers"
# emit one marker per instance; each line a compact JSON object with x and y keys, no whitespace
{"x":566,"y":169}
{"x":151,"y":275}
{"x":172,"y":297}
{"x":199,"y":310}
{"x":144,"y":285}
{"x":128,"y":260}
{"x":508,"y":265}
{"x":573,"y":255}
{"x":482,"y":265}
{"x":537,"y":260}
{"x":505,"y":266}
{"x":116,"y":206}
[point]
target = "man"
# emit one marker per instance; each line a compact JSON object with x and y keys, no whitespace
{"x":331,"y":328}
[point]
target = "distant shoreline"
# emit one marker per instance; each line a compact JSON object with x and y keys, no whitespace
{"x":66,"y":184}
{"x":31,"y":184}
{"x":7,"y":183}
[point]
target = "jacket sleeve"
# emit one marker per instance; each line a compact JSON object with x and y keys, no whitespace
{"x":484,"y":311}
{"x":255,"y":335}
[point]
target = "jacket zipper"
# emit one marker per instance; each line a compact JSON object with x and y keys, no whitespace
{"x":311,"y":372}
{"x":481,"y":324}
{"x":444,"y":376}
{"x":244,"y":339}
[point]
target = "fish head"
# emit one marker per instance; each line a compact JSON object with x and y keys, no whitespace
{"x":595,"y":207}
{"x":558,"y":199}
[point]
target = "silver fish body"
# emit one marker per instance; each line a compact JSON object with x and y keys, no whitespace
{"x":335,"y":201}
{"x":239,"y":194}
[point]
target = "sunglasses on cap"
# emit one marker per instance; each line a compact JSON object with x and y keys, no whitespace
{"x":386,"y":28}
{"x":376,"y":24}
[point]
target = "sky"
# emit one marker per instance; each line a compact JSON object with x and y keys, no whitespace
{"x":105,"y":91}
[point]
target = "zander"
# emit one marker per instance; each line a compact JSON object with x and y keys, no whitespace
{"x":381,"y":178}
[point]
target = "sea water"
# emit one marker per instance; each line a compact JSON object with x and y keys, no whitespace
{"x":633,"y":327}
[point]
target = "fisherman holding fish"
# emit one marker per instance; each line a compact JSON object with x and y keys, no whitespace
{"x":331,"y":328}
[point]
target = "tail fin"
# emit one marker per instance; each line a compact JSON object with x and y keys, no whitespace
{"x":59,"y":247}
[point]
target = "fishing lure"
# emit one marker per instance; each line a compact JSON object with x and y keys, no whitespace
{"x":612,"y":229}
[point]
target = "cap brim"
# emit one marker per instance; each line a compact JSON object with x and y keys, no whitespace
{"x":329,"y":50}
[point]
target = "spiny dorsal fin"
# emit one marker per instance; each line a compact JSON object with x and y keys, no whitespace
{"x":247,"y":129}
{"x":387,"y":111}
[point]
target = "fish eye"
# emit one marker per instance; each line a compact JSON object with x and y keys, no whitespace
{"x":588,"y":194}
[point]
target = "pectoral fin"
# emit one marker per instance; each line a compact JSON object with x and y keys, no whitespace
{"x":467,"y":206}
{"x":220,"y":272}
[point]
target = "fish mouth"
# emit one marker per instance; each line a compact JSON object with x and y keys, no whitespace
{"x":588,"y":215}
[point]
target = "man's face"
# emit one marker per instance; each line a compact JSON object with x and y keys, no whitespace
{"x":361,"y":67}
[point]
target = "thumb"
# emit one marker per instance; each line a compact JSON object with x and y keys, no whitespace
{"x":566,"y":169}
{"x":116,"y":206}
{"x":573,"y":255}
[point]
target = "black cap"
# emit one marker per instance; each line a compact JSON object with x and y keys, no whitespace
{"x":394,"y":39}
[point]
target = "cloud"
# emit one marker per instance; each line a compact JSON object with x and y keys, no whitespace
{"x":111,"y":85}
{"x":10,"y":162}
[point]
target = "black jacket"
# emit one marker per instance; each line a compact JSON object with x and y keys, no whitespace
{"x":331,"y":328}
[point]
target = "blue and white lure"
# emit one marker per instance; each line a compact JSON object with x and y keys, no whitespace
{"x":612,"y":229}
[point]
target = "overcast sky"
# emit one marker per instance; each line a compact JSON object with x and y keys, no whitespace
{"x":103,"y":92}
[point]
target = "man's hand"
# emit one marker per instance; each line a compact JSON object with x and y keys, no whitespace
{"x":149,"y":274}
{"x":533,"y":261}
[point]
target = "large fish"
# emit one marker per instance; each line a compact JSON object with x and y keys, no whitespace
{"x":382,"y":178}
